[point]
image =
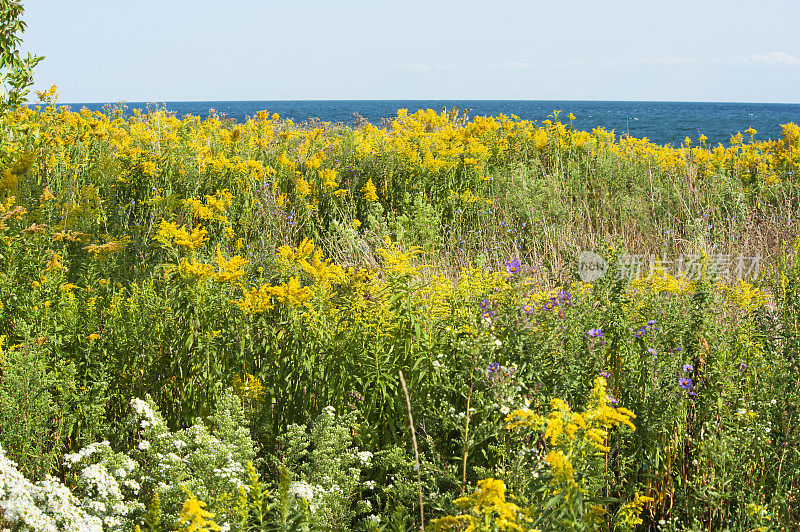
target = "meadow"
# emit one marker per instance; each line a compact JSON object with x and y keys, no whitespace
{"x":212,"y":325}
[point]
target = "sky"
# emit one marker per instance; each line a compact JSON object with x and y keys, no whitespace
{"x":198,"y":50}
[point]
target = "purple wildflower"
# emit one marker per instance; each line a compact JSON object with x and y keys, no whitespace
{"x":604,"y":374}
{"x":485,"y":303}
{"x":685,"y":383}
{"x":652,"y":351}
{"x":595,"y":333}
{"x":640,"y":332}
{"x":527,"y":310}
{"x":512,"y":266}
{"x":688,"y":368}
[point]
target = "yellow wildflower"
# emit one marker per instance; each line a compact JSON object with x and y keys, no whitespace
{"x":744,"y":295}
{"x":169,"y":233}
{"x":220,"y":201}
{"x":322,"y":270}
{"x":524,"y":418}
{"x":630,"y":512}
{"x":35,"y":229}
{"x":292,"y":292}
{"x":328,"y":178}
{"x":453,"y":522}
{"x":248,"y":387}
{"x":193,"y":269}
{"x":396,"y":260}
{"x":229,"y":269}
{"x":54,"y":263}
{"x":46,"y":195}
{"x":195,"y":518}
{"x":109,"y":247}
{"x":369,"y":190}
{"x":562,"y":468}
{"x":488,"y":503}
{"x":285,"y":161}
{"x":69,"y":236}
{"x":303,"y":251}
{"x":255,"y":300}
{"x":303,"y":187}
{"x":199,"y":209}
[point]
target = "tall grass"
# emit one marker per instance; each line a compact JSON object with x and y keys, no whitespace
{"x":306,"y":266}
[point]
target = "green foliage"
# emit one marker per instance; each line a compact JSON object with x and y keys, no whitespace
{"x":32,"y":411}
{"x":16,"y":73}
{"x":324,"y":468}
{"x":289,"y":361}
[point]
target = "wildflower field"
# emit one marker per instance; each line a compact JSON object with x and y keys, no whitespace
{"x":211,"y":325}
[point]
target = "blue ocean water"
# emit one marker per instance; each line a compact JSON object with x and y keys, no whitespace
{"x":661,"y":122}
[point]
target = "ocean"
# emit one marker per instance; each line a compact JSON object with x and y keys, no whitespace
{"x":661,"y":122}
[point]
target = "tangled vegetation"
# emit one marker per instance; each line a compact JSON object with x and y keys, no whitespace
{"x":203,"y":325}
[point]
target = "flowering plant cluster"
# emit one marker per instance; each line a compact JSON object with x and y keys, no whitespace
{"x":262,"y":286}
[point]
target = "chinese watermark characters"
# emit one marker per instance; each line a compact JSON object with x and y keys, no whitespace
{"x":592,"y":266}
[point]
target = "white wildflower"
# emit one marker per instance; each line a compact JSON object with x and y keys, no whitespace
{"x":143,"y":410}
{"x":132,"y":485}
{"x":97,"y":476}
{"x":302,"y":489}
{"x":45,"y":506}
{"x":365,"y":456}
{"x":72,"y":459}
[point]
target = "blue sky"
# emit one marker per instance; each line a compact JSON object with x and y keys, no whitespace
{"x":172,"y":50}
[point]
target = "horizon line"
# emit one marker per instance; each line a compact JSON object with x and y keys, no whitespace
{"x":419,"y":100}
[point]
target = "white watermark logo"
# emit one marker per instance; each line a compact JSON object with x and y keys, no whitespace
{"x":592,"y":266}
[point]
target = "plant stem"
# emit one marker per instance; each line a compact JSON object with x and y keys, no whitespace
{"x":416,"y":451}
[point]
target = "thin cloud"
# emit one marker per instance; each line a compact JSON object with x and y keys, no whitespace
{"x":419,"y":67}
{"x":512,"y":65}
{"x":769,"y":58}
{"x":772,"y":59}
{"x":414,"y":67}
{"x":672,"y":60}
